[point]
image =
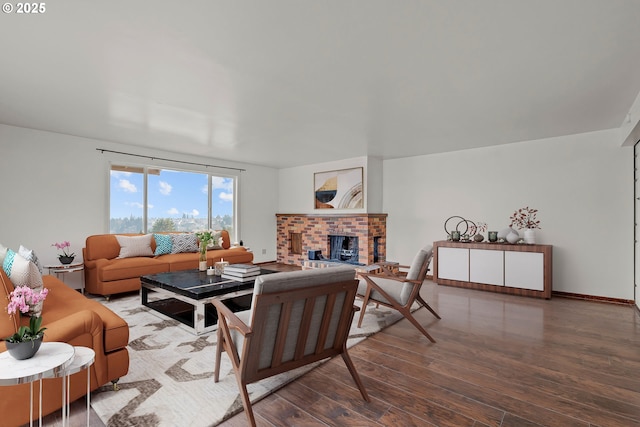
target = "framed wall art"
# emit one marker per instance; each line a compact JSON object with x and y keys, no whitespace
{"x":339,"y":189}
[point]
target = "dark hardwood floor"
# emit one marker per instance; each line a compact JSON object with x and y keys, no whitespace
{"x":500,"y":360}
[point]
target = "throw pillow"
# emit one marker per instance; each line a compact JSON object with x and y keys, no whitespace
{"x":31,"y":256}
{"x":163,"y":244}
{"x":216,"y":243}
{"x":184,"y":242}
{"x":132,"y":246}
{"x":23,"y":272}
{"x":3,"y":253}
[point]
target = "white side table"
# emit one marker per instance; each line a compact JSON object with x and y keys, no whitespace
{"x":63,"y":269}
{"x":51,"y":360}
{"x":82,"y":359}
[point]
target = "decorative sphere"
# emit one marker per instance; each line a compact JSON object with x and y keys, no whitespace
{"x":502,"y":234}
{"x":513,"y":237}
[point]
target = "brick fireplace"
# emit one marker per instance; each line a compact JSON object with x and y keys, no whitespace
{"x":297,"y":234}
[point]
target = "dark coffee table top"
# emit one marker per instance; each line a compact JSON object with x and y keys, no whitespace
{"x":196,"y":284}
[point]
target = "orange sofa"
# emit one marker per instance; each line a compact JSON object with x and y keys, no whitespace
{"x":106,"y":274}
{"x":69,"y":317}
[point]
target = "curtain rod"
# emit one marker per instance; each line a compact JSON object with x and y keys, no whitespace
{"x":104,"y":150}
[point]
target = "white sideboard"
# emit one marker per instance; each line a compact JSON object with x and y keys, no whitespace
{"x":518,"y":269}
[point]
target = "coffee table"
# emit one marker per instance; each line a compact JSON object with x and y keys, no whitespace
{"x":186,"y":296}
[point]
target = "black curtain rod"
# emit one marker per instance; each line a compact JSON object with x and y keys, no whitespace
{"x":104,"y":150}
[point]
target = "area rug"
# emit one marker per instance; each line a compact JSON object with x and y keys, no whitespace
{"x":170,"y":379}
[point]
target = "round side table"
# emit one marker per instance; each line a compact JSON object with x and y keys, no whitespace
{"x":51,"y":360}
{"x":63,"y":269}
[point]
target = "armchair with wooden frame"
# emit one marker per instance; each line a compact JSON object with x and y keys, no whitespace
{"x":296,"y":318}
{"x":397,"y":289}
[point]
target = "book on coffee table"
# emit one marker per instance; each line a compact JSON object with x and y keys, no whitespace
{"x":240,"y":278}
{"x":241,"y":268}
{"x":240,"y":274}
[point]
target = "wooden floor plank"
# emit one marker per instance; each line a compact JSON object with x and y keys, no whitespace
{"x":499,"y":361}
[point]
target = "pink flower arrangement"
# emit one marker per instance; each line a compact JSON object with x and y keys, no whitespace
{"x":525,"y":218}
{"x":63,"y":247}
{"x":21,"y":300}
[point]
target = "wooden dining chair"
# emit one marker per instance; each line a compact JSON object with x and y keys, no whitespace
{"x":398,"y":289}
{"x":296,"y":318}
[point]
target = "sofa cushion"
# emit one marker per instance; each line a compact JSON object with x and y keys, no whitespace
{"x":134,"y":246}
{"x":184,"y":242}
{"x":63,"y":300}
{"x":163,"y":244}
{"x":127,"y":268}
{"x":23,"y":272}
{"x":30,"y":255}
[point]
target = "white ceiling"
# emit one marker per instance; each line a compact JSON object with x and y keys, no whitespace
{"x":291,"y":82}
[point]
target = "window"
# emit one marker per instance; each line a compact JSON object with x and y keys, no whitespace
{"x":146,"y":200}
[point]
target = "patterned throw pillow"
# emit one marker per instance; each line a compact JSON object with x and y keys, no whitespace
{"x":163,"y":244}
{"x":215,"y":243}
{"x":184,"y":242}
{"x":23,"y":272}
{"x":133,"y":246}
{"x":31,"y":256}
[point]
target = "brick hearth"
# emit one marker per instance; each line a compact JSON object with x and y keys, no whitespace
{"x":301,"y":232}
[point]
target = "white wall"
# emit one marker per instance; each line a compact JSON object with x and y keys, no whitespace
{"x":55,"y":188}
{"x":581,"y":184}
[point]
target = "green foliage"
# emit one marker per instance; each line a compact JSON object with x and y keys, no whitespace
{"x":163,"y":224}
{"x":28,"y":333}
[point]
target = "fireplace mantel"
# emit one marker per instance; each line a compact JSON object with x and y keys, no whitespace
{"x":299,"y":233}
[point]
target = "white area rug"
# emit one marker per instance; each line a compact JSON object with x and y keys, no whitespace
{"x":170,"y":379}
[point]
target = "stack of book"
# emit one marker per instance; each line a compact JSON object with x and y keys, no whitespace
{"x":241,"y":272}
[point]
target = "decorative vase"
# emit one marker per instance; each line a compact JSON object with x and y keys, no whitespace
{"x":65,"y":259}
{"x":202,"y":265}
{"x":513,"y":237}
{"x":25,"y":349}
{"x":502,"y":234}
{"x":530,"y":236}
{"x":478,"y":237}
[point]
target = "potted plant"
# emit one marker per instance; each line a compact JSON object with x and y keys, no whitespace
{"x":25,"y":343}
{"x":66,"y":257}
{"x":526,"y":218}
{"x":205,"y":237}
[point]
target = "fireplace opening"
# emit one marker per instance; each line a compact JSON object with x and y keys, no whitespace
{"x":343,"y":249}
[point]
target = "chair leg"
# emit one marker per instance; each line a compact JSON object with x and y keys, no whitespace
{"x":354,"y":374}
{"x":216,"y":372}
{"x":246,"y":402}
{"x":365,"y":301}
{"x":427,"y":306}
{"x":415,"y":323}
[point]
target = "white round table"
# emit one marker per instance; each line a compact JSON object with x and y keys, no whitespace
{"x":51,"y":360}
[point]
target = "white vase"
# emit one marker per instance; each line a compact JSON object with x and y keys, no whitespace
{"x":502,"y":234}
{"x":530,"y":236}
{"x":513,"y":237}
{"x":202,"y":266}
